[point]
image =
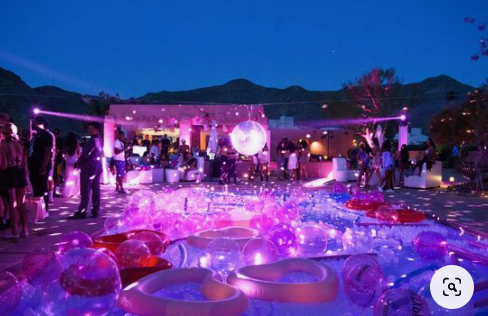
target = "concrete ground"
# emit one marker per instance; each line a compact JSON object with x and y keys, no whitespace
{"x":469,"y":211}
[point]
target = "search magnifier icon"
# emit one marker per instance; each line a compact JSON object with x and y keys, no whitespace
{"x":452,"y":287}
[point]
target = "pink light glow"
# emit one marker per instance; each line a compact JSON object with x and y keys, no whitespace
{"x":70,"y":115}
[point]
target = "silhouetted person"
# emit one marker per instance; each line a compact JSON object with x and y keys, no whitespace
{"x":90,"y":164}
{"x":40,"y":159}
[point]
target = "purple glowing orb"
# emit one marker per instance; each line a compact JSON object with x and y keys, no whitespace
{"x":248,"y":138}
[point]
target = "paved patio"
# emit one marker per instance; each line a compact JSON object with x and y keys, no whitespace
{"x":469,"y":211}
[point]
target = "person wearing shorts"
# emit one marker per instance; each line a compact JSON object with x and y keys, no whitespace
{"x":119,"y":161}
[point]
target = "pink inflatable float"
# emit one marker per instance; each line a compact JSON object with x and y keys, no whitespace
{"x":223,"y":300}
{"x":241,"y":235}
{"x":260,"y":282}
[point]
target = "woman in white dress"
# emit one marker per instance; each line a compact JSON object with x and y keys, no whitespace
{"x":71,"y":175}
{"x":293,"y":163}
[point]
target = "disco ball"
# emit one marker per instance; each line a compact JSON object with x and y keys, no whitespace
{"x":248,"y":138}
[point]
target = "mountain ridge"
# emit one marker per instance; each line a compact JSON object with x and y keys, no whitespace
{"x":302,"y":104}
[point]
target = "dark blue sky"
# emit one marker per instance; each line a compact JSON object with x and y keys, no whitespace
{"x":134,"y":47}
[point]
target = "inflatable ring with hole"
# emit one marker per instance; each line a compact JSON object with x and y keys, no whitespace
{"x":241,"y":235}
{"x":223,"y":299}
{"x":261,"y":282}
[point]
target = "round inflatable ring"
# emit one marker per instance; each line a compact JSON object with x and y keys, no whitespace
{"x":259,"y":282}
{"x":224,"y":300}
{"x":241,"y":235}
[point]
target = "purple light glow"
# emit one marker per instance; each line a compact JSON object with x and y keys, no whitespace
{"x":36,"y":111}
{"x":403,"y":117}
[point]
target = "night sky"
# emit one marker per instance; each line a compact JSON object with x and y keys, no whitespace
{"x":134,"y":47}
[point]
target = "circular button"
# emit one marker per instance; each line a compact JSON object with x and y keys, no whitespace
{"x":452,"y":287}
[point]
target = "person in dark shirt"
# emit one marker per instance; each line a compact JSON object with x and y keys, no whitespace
{"x":146,"y":142}
{"x":40,"y":159}
{"x":58,"y":161}
{"x":90,"y":164}
{"x":135,"y":141}
{"x":165,"y":145}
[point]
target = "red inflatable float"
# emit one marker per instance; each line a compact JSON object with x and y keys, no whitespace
{"x":404,"y":215}
{"x":363,"y":205}
{"x":111,"y":242}
{"x":132,"y":274}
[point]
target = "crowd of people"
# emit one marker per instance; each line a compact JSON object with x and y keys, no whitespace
{"x":383,"y":161}
{"x":292,"y":159}
{"x":45,"y":165}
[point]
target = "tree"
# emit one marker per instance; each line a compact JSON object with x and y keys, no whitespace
{"x":101,"y":104}
{"x":376,"y":94}
{"x":483,"y":45}
{"x":467,"y":124}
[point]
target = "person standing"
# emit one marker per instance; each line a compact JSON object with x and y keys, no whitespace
{"x":4,"y":119}
{"x":90,"y":164}
{"x":40,"y":159}
{"x":154,"y":152}
{"x":119,"y":160}
{"x":13,"y":169}
{"x":292,"y":163}
{"x":165,"y":145}
{"x":388,"y":166}
{"x":71,"y":175}
{"x":263,"y":158}
{"x":283,"y":153}
{"x":303,"y":154}
{"x":184,"y":150}
{"x":146,"y":142}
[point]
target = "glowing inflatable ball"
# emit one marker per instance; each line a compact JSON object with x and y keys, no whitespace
{"x":312,"y":241}
{"x":387,"y":214}
{"x":73,"y":240}
{"x":142,"y":199}
{"x":83,"y":282}
{"x":248,"y":138}
{"x":289,"y":212}
{"x":262,"y":222}
{"x":223,"y":255}
{"x":114,"y":225}
{"x":357,"y":240}
{"x":376,"y":196}
{"x":399,"y":302}
{"x":430,"y":245}
{"x":152,"y":241}
{"x":133,"y":253}
{"x":363,"y":279}
{"x":436,"y":309}
{"x":259,"y":251}
{"x":283,"y":236}
{"x":10,"y":292}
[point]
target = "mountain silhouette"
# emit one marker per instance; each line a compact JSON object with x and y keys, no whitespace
{"x":424,"y":98}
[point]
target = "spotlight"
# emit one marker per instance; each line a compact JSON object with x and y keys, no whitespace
{"x":36,"y":111}
{"x":308,"y":136}
{"x":403,"y":117}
